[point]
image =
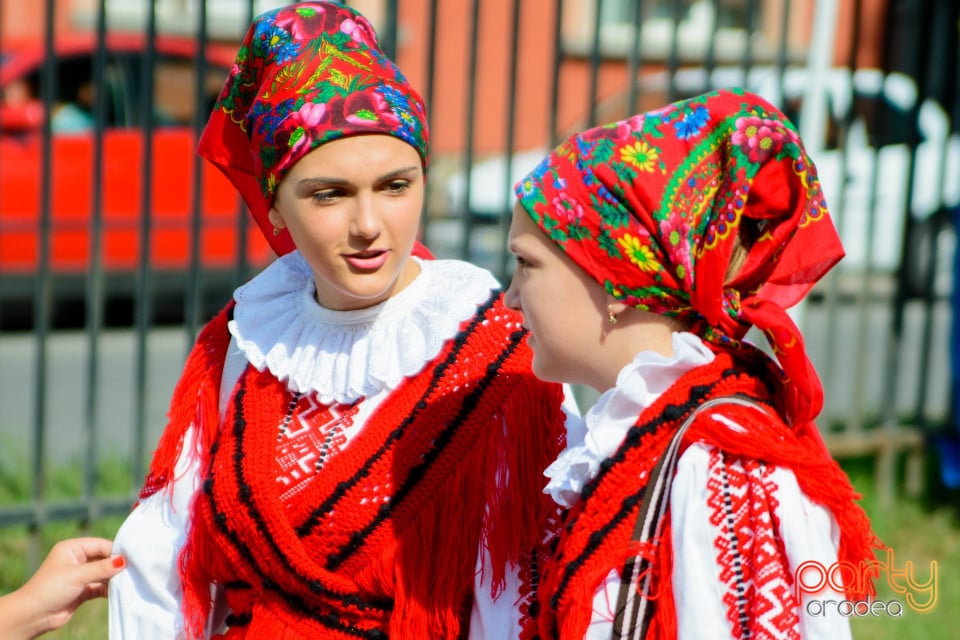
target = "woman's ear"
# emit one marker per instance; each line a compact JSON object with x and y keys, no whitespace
{"x":616,"y":307}
{"x":276,"y":219}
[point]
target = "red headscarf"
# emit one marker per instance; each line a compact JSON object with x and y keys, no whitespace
{"x":650,"y":208}
{"x":306,"y":74}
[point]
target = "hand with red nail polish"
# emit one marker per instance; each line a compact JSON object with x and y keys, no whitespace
{"x":75,"y":570}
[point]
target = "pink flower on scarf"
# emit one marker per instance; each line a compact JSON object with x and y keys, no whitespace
{"x":674,"y":231}
{"x":567,"y":208}
{"x":760,"y":138}
{"x":624,"y":129}
{"x":359,"y":31}
{"x":296,"y":130}
{"x":312,"y":114}
{"x":362,"y":109}
{"x":303,"y":23}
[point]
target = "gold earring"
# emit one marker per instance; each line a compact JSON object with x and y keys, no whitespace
{"x":276,"y":230}
{"x":611,"y":316}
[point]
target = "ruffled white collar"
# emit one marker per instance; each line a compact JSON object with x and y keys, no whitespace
{"x":605,"y":425}
{"x":344,"y":355}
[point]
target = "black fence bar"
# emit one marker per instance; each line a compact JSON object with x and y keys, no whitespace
{"x":784,"y":34}
{"x":634,"y":57}
{"x":922,"y":16}
{"x":673,"y":56}
{"x":95,"y":285}
{"x":192,"y":304}
{"x":510,"y":117}
{"x":43,"y":290}
{"x":35,"y":515}
{"x":591,"y":93}
{"x":554,"y":127}
{"x":831,"y":288}
{"x":470,"y":133}
{"x":243,"y":268}
{"x":428,"y":93}
{"x":143,"y":301}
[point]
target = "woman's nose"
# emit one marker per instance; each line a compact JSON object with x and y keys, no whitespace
{"x":366,"y":222}
{"x":511,"y":299}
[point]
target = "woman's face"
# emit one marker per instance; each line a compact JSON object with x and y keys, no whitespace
{"x":352,"y":207}
{"x":563,"y":308}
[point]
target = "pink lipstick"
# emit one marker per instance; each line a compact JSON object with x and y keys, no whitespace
{"x":367,"y":260}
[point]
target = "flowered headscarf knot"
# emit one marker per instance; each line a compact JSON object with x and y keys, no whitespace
{"x":657,"y":206}
{"x":305,"y":74}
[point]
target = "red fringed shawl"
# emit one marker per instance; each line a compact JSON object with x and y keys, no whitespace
{"x":596,"y":535}
{"x":384,"y":539}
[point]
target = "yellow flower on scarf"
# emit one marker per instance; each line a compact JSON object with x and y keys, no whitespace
{"x":638,"y":252}
{"x":640,"y":154}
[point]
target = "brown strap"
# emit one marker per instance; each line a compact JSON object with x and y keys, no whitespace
{"x":634,"y":609}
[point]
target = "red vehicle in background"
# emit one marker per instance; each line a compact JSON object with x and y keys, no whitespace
{"x":121,"y":204}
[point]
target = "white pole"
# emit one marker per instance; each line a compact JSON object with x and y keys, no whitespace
{"x":813,"y":113}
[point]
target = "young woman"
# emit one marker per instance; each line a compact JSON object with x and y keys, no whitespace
{"x":356,"y":445}
{"x":699,"y":486}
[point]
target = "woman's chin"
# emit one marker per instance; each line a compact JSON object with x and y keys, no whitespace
{"x":542,"y":369}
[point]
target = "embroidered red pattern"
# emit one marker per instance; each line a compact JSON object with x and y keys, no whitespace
{"x":753,"y":564}
{"x":308,"y":438}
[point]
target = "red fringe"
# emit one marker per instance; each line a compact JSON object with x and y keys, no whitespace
{"x":195,"y":571}
{"x":508,"y":499}
{"x":428,"y":603}
{"x":663,"y":625}
{"x":519,"y":511}
{"x":819,"y":476}
{"x":195,"y":400}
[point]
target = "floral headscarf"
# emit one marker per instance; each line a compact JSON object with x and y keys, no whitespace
{"x":650,"y":207}
{"x":306,"y":74}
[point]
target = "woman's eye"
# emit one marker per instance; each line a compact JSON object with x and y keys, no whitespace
{"x":521,"y":262}
{"x":325,"y":196}
{"x":397,"y":186}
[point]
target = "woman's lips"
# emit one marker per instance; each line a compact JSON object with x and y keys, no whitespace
{"x":368,"y":260}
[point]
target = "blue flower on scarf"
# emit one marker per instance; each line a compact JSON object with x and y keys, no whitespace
{"x":691,"y":123}
{"x":285,"y":51}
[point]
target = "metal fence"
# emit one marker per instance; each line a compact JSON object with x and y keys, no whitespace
{"x":116,"y":243}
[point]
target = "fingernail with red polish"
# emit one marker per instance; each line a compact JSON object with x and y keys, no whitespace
{"x":119,"y":562}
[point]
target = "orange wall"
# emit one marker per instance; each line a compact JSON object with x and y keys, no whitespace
{"x":25,"y":19}
{"x":449,"y":107}
{"x":449,"y":104}
{"x":871,"y":25}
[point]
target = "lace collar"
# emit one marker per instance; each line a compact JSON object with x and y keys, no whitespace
{"x":605,"y":425}
{"x":344,"y":355}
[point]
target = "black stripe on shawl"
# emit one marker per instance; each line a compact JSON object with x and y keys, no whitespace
{"x":292,"y":600}
{"x":313,"y":519}
{"x":669,"y":415}
{"x":416,"y":473}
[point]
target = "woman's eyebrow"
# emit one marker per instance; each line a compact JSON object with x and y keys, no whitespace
{"x":321,"y":181}
{"x":399,"y":173}
{"x":325,"y":181}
